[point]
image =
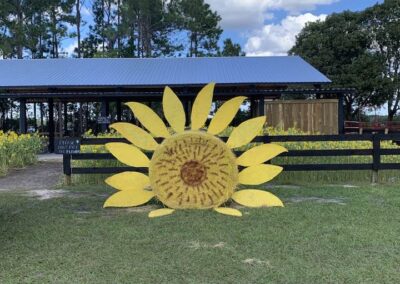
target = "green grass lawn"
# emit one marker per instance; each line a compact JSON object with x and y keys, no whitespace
{"x":349,"y":235}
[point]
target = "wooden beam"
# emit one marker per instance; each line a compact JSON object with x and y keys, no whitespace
{"x":22,"y":116}
{"x":119,"y":110}
{"x":253,"y":108}
{"x":104,"y":112}
{"x":261,"y":106}
{"x":65,"y":119}
{"x":87,"y":114}
{"x":51,"y":125}
{"x":341,"y":114}
{"x":187,"y":106}
{"x":34,"y":115}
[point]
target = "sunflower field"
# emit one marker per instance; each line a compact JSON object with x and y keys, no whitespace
{"x":334,"y":177}
{"x":17,"y":151}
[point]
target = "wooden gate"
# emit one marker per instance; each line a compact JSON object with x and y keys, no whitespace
{"x":312,"y":116}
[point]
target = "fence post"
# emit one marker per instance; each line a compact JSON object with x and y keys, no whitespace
{"x":376,"y":157}
{"x":67,"y":169}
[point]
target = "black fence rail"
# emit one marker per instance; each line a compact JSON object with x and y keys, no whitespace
{"x":376,"y":152}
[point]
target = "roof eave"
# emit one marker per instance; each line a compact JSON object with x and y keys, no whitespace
{"x":56,"y":87}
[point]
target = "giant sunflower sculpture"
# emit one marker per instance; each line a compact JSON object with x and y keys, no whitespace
{"x":192,"y":169}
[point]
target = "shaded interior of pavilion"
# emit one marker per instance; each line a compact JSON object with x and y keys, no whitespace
{"x":61,"y":113}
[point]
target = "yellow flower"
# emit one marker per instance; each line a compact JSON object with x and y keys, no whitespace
{"x":192,"y":169}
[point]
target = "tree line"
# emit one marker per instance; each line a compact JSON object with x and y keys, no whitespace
{"x":361,"y":50}
{"x":36,"y":29}
{"x":119,"y":28}
{"x":354,"y":49}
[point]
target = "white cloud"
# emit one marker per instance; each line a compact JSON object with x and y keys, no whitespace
{"x":250,"y":14}
{"x":296,"y":6}
{"x":240,"y":14}
{"x":277,"y":39}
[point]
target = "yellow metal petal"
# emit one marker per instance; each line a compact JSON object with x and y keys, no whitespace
{"x":201,"y":106}
{"x":173,"y":110}
{"x":160,"y":212}
{"x":256,"y":198}
{"x":229,"y":211}
{"x":259,"y":174}
{"x":225,"y":115}
{"x":245,"y":132}
{"x":128,"y":154}
{"x":149,"y":119}
{"x":128,"y":181}
{"x":128,"y":198}
{"x":260,"y":154}
{"x":136,"y":135}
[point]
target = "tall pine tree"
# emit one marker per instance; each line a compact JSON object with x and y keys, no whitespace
{"x":202,"y":27}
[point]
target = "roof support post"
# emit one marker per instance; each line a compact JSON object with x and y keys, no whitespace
{"x":87,"y":113}
{"x":261,"y":103}
{"x":341,"y":113}
{"x":253,"y":108}
{"x":22,"y":116}
{"x":105,"y":110}
{"x":257,"y":107}
{"x":187,"y":106}
{"x":65,"y":118}
{"x":51,"y":125}
{"x":41,"y":117}
{"x":34,"y":115}
{"x":119,"y":110}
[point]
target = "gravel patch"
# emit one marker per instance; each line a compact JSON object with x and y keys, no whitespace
{"x":41,"y":176}
{"x":256,"y":261}
{"x":350,"y":186}
{"x":200,"y":245}
{"x":44,"y":194}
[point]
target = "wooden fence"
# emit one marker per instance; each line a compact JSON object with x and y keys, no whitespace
{"x":311,"y":116}
{"x":375,"y":152}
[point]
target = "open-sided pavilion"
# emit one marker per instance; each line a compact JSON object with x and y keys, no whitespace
{"x":118,"y":80}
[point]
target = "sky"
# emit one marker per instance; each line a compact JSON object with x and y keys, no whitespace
{"x":264,"y":27}
{"x":269,"y":27}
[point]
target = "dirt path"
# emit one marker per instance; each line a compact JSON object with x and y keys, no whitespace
{"x":46,"y":174}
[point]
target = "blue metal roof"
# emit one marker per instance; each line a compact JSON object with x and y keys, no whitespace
{"x":149,"y":72}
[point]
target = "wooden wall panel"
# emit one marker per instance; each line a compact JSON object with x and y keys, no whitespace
{"x":313,"y":116}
